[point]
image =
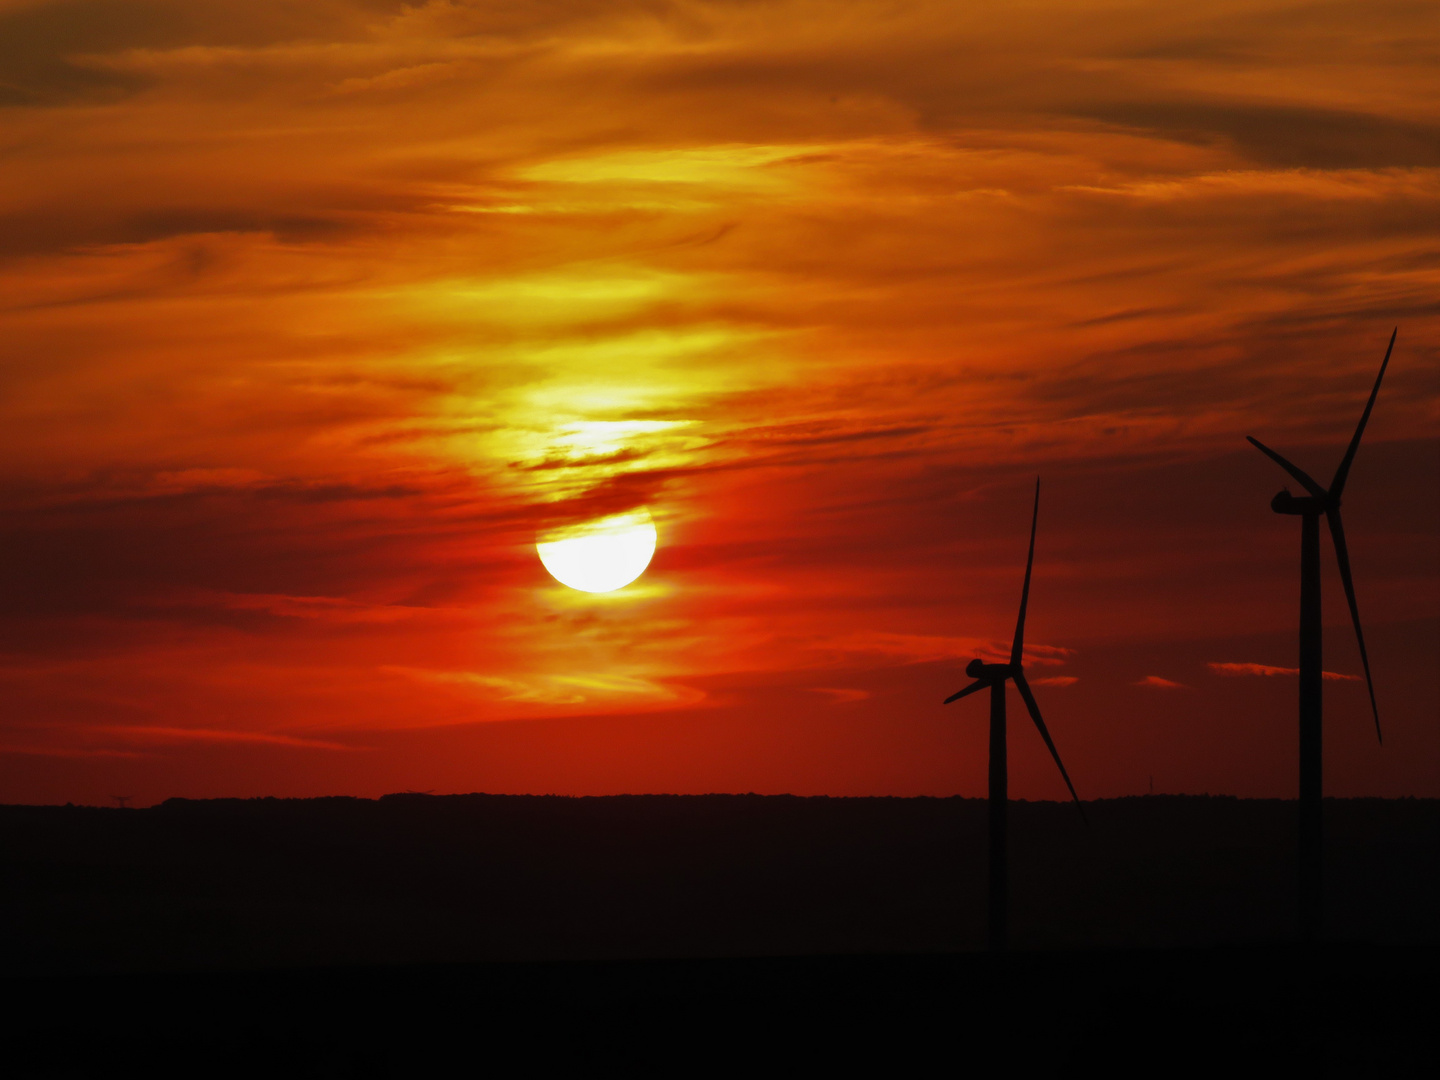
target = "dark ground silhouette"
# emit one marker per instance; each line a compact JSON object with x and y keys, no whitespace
{"x":355,"y":937}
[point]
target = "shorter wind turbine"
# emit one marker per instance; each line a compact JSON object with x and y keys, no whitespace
{"x":994,"y":677}
{"x":1309,"y":508}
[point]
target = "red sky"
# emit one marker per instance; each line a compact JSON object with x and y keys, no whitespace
{"x":314,"y":313}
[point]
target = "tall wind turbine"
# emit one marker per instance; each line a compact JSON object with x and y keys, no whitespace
{"x":994,"y":677}
{"x":1309,"y":508}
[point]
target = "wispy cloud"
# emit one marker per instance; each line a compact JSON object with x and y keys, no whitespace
{"x":1267,"y":669}
{"x":601,"y":690}
{"x":1160,"y":683}
{"x":68,"y":751}
{"x":149,"y":734}
{"x":923,"y":648}
{"x":327,"y":608}
{"x":841,"y":695}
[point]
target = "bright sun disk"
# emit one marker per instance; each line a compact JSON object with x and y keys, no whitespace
{"x":602,"y":555}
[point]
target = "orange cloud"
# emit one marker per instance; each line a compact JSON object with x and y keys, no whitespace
{"x":1159,"y":683}
{"x":148,"y":734}
{"x":841,"y":695}
{"x":1266,"y":669}
{"x":919,"y":648}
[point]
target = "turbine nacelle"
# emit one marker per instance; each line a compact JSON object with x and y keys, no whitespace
{"x":1285,"y":503}
{"x":979,"y":669}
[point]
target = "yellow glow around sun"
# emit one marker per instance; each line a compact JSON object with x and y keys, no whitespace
{"x":603,"y":555}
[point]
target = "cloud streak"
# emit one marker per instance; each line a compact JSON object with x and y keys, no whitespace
{"x":1267,"y":669}
{"x":1160,"y":683}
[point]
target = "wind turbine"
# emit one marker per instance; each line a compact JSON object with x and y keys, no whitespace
{"x":994,"y":676}
{"x":1309,"y":508}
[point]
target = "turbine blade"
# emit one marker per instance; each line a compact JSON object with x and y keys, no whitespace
{"x":1024,"y":688}
{"x":1338,"y":484}
{"x":1294,"y":470}
{"x":1018,"y":646}
{"x":978,"y":684}
{"x":1342,"y":556}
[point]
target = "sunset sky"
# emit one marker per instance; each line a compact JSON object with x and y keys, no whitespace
{"x":314,"y":314}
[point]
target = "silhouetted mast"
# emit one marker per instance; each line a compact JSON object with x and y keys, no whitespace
{"x":994,"y":676}
{"x":1309,"y":508}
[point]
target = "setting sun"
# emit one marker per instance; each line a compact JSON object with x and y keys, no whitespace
{"x":601,"y":556}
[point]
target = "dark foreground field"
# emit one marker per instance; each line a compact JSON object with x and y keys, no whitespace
{"x":356,"y":937}
{"x":1334,"y":1011}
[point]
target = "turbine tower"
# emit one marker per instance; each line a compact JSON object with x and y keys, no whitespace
{"x":994,"y":676}
{"x":1309,"y":508}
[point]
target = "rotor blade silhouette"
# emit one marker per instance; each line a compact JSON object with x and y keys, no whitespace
{"x":1294,"y":470}
{"x":1024,"y":688}
{"x":1338,"y":484}
{"x":1342,"y":556}
{"x":978,"y":684}
{"x":1018,"y":647}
